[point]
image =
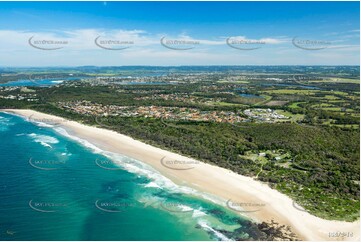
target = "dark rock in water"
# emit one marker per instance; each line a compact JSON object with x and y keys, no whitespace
{"x":216,"y":212}
{"x":274,"y":231}
{"x":262,"y":232}
{"x":198,"y":226}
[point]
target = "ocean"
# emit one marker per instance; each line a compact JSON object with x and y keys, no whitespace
{"x":57,"y":187}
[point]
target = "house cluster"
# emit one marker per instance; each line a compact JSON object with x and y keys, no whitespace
{"x":8,"y":89}
{"x":168,"y":113}
{"x":172,"y":97}
{"x":20,"y":97}
{"x":264,"y":115}
{"x":25,"y":95}
{"x":180,"y":97}
{"x":139,"y":78}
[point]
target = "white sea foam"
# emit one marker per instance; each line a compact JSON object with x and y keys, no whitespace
{"x":184,"y":208}
{"x":153,"y":184}
{"x":13,"y":114}
{"x":129,"y":164}
{"x":41,"y":124}
{"x":83,"y":142}
{"x":198,"y":213}
{"x":5,"y":123}
{"x":37,"y":123}
{"x":157,"y":181}
{"x":44,"y":140}
{"x":137,"y":167}
{"x":219,"y":235}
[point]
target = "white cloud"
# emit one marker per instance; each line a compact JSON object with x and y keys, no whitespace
{"x":267,"y":40}
{"x":147,"y":50}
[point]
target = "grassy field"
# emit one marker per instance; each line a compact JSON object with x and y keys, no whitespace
{"x":295,"y":105}
{"x":267,"y":98}
{"x":293,"y":117}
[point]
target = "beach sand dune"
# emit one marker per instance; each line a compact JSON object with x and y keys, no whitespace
{"x":257,"y":200}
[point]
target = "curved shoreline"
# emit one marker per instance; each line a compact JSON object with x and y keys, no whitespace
{"x":213,"y":180}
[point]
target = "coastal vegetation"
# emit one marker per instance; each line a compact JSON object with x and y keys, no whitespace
{"x":311,"y":153}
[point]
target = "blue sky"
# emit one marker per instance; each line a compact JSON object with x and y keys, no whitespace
{"x":257,"y":33}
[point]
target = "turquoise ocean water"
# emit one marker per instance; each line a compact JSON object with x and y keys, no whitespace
{"x":56,"y":187}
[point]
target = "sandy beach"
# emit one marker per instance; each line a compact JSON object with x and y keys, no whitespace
{"x":258,"y":201}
